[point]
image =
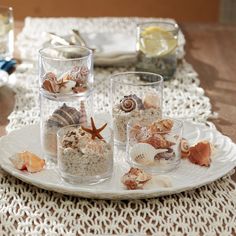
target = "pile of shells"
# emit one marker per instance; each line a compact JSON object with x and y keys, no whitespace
{"x":153,"y":142}
{"x":72,"y":81}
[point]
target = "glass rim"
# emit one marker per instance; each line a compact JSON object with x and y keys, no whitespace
{"x":6,"y":8}
{"x":60,"y":130}
{"x":179,"y":122}
{"x":114,"y":77}
{"x":90,"y":53}
{"x":174,"y":24}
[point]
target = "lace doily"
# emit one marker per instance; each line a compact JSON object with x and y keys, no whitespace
{"x":28,"y":210}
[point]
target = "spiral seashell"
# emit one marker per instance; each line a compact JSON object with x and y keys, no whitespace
{"x":131,"y":102}
{"x":63,"y":116}
{"x":83,"y":114}
{"x":185,"y":149}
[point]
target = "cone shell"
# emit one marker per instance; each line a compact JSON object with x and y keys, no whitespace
{"x":27,"y":161}
{"x":63,"y":116}
{"x":83,"y":114}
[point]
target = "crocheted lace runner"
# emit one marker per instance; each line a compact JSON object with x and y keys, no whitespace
{"x":25,"y":209}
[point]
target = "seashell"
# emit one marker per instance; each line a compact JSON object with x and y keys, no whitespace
{"x":67,"y":87}
{"x":50,"y":83}
{"x":158,"y":141}
{"x":83,"y":114}
{"x":63,"y":116}
{"x":135,"y":178}
{"x":151,"y":100}
{"x":93,"y":148}
{"x":78,"y":89}
{"x":144,"y":153}
{"x":164,"y":125}
{"x":185,"y":149}
{"x":84,"y":71}
{"x":50,"y":76}
{"x":27,"y":161}
{"x":169,"y":153}
{"x":158,"y":181}
{"x":200,"y":154}
{"x":131,"y":102}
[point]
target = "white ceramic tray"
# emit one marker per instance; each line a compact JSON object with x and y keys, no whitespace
{"x":187,"y":176}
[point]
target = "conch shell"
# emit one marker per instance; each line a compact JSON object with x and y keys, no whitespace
{"x":201,"y":153}
{"x":135,"y":178}
{"x":164,"y":125}
{"x":63,"y":116}
{"x":27,"y":161}
{"x":158,"y":141}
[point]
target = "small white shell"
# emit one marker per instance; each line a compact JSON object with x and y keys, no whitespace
{"x":144,"y":153}
{"x":158,"y":181}
{"x":67,"y":87}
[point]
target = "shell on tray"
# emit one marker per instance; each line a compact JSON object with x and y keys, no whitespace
{"x":130,"y":103}
{"x":143,"y":153}
{"x":27,"y":161}
{"x":201,"y":153}
{"x":151,"y":100}
{"x":185,"y":149}
{"x":63,"y":116}
{"x":135,"y":178}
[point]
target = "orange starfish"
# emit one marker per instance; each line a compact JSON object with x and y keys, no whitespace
{"x":94,"y":131}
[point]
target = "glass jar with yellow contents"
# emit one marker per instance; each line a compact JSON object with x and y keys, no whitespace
{"x":156,"y":48}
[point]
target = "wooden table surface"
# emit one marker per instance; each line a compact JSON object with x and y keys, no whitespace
{"x":211,"y":49}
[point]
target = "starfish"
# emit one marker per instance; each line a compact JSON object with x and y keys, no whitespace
{"x":94,"y":131}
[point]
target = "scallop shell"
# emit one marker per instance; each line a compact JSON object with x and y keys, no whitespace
{"x":143,"y":153}
{"x":63,"y":116}
{"x":131,"y":102}
{"x":151,"y":100}
{"x":27,"y":161}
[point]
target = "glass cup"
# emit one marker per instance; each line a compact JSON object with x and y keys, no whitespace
{"x":156,"y":48}
{"x":134,"y":95}
{"x":82,"y":159}
{"x":154,"y":144}
{"x":66,"y":91}
{"x":6,"y":33}
{"x":66,"y":70}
